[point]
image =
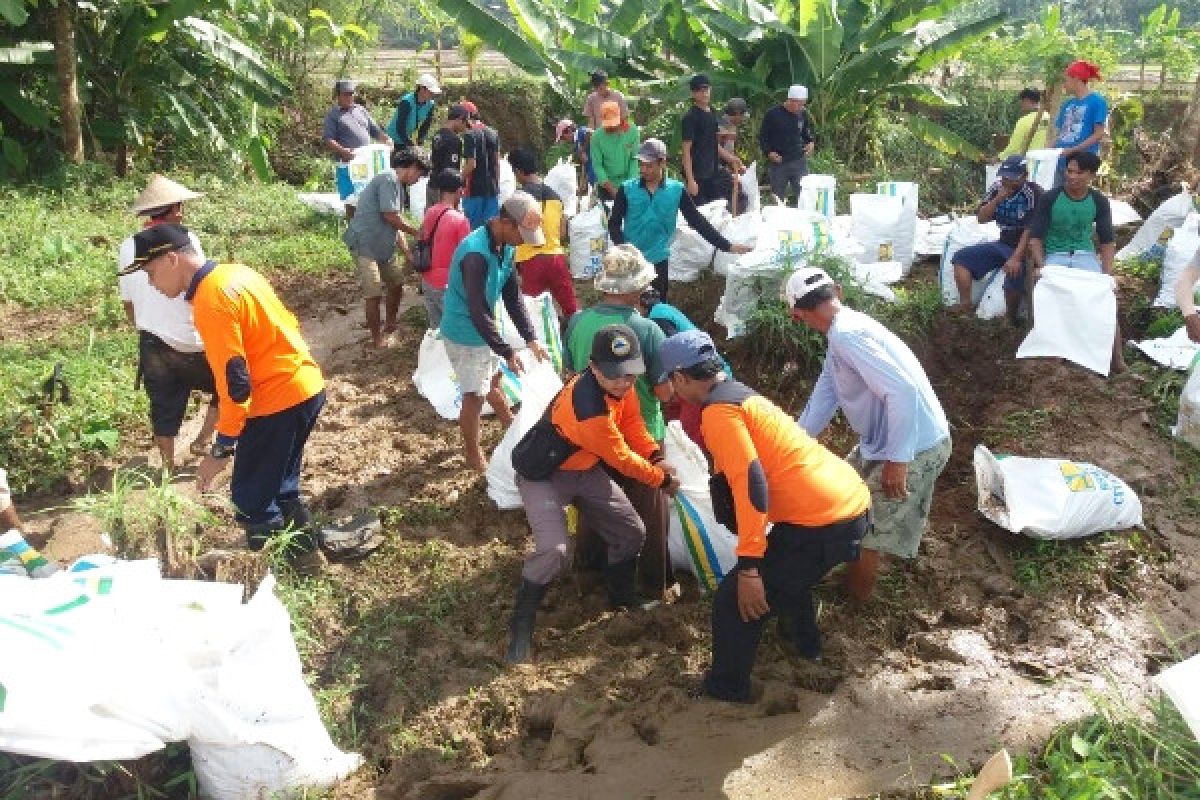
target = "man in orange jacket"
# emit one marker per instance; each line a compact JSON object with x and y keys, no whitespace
{"x":269,"y":388}
{"x":766,"y":470}
{"x":597,"y":414}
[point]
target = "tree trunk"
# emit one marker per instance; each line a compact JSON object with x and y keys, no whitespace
{"x":437,"y":55}
{"x":1189,"y":130}
{"x":68,"y":84}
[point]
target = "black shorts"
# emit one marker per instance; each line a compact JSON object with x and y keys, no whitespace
{"x":170,"y":377}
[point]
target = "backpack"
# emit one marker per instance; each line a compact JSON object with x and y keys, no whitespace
{"x":422,"y":251}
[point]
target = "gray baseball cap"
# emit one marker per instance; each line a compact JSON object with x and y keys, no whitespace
{"x":652,"y":150}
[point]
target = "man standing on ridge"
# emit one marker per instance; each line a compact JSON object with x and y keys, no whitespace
{"x":414,"y":113}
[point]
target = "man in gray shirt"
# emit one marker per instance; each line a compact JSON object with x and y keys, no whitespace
{"x":349,"y":125}
{"x":374,"y":232}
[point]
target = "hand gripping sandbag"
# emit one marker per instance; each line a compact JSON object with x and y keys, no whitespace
{"x":697,"y":542}
{"x":1052,"y":498}
{"x":539,"y":384}
{"x":1074,"y":317}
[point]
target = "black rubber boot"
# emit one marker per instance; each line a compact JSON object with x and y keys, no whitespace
{"x":297,"y":520}
{"x":520,"y":629}
{"x":622,"y":585}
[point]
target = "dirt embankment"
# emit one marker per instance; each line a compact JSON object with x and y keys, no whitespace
{"x":985,"y":640}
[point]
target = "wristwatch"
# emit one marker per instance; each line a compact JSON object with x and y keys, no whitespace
{"x":219,"y":450}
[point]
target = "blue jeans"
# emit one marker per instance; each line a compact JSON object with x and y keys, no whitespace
{"x":266,"y":465}
{"x":1078,"y":259}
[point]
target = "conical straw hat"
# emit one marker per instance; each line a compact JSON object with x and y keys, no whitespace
{"x":162,"y":192}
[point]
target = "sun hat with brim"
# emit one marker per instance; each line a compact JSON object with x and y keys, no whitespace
{"x":155,"y":241}
{"x":624,"y":270}
{"x":805,"y":281}
{"x":617,"y":353}
{"x":522,"y":207}
{"x":686,"y":349}
{"x":427,"y":82}
{"x":161,"y":192}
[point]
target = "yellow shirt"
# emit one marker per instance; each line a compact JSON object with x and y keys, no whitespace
{"x":1021,"y":130}
{"x":552,"y":215}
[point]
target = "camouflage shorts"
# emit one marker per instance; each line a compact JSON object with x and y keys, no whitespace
{"x":899,"y":524}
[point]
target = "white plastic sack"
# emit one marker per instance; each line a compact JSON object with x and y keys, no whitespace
{"x":991,"y":173}
{"x":695,"y":540}
{"x":506,"y":181}
{"x":1052,"y":498}
{"x":589,"y":241}
{"x":1180,"y":250}
{"x":1188,"y":426}
{"x":742,"y":229}
{"x":539,"y":384}
{"x":564,"y":180}
{"x":992,"y":304}
{"x":368,"y":161}
{"x":690,"y":255}
{"x":1123,"y":213}
{"x":1173,"y":352}
{"x":819,"y":193}
{"x":884,"y":228}
{"x":749,"y":181}
{"x":323,"y":202}
{"x":434,"y":378}
{"x":905,"y":246}
{"x":1074,"y":317}
{"x":1042,"y":165}
{"x":416,"y":198}
{"x":1170,"y":214}
{"x":963,"y":232}
{"x":932,"y":235}
{"x":1182,"y":684}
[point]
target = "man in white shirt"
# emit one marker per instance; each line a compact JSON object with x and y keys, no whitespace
{"x":171,"y":356}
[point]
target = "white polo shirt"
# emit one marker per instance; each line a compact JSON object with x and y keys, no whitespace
{"x":170,"y":319}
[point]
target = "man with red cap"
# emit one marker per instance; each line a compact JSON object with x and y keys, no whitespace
{"x":1081,"y":119}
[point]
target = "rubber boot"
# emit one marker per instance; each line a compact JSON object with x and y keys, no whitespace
{"x":520,"y":629}
{"x":298,"y":519}
{"x":622,"y":585}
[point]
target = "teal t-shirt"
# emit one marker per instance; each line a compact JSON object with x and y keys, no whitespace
{"x":582,"y":329}
{"x":1071,"y":224}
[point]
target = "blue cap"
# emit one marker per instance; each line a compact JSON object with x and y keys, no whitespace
{"x":1012,"y":167}
{"x":686,"y":349}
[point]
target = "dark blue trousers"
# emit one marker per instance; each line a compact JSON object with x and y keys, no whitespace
{"x":266,"y":466}
{"x":796,"y":560}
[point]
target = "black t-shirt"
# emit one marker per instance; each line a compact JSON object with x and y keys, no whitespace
{"x":483,"y":145}
{"x":700,"y":128}
{"x":445,"y":151}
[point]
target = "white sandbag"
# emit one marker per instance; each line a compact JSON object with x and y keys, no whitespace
{"x":1180,"y":251}
{"x":506,"y":180}
{"x":819,"y":193}
{"x":564,"y":180}
{"x":1181,"y":683}
{"x":539,"y":384}
{"x":1169,"y":215}
{"x":932,"y":235}
{"x":367,"y":162}
{"x":964,"y":232}
{"x":1042,"y":164}
{"x":589,"y":241}
{"x":749,"y":182}
{"x":884,"y":228}
{"x":1123,"y":213}
{"x":434,"y":378}
{"x":1187,"y":427}
{"x":743,"y":229}
{"x":992,"y":304}
{"x":1074,"y":317}
{"x":416,"y":199}
{"x":908,"y":191}
{"x":991,"y":173}
{"x":1052,"y":498}
{"x":1173,"y":352}
{"x":695,"y":540}
{"x":691,"y":254}
{"x":905,"y":247}
{"x":274,"y":740}
{"x":329,"y":203}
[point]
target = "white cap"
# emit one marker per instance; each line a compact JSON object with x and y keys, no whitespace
{"x":797,"y":92}
{"x":429,"y":83}
{"x":803,"y":281}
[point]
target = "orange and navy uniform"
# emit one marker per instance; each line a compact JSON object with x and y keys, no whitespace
{"x":773,"y":470}
{"x":259,"y":360}
{"x":606,"y":429}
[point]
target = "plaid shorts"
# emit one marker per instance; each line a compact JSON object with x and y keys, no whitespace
{"x":900,"y":524}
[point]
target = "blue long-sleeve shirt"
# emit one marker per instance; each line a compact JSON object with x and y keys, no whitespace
{"x":881,"y":388}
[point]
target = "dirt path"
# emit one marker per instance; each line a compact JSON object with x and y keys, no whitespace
{"x":955,"y":656}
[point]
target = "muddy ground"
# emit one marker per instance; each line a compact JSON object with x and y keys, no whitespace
{"x":986,"y":640}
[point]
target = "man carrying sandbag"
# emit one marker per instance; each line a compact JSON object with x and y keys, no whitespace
{"x":886,"y":397}
{"x":766,"y":471}
{"x":1061,"y":232}
{"x":625,"y":274}
{"x":646,"y":212}
{"x":594,"y":422}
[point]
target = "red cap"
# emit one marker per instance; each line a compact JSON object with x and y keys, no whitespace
{"x":1084,"y":71}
